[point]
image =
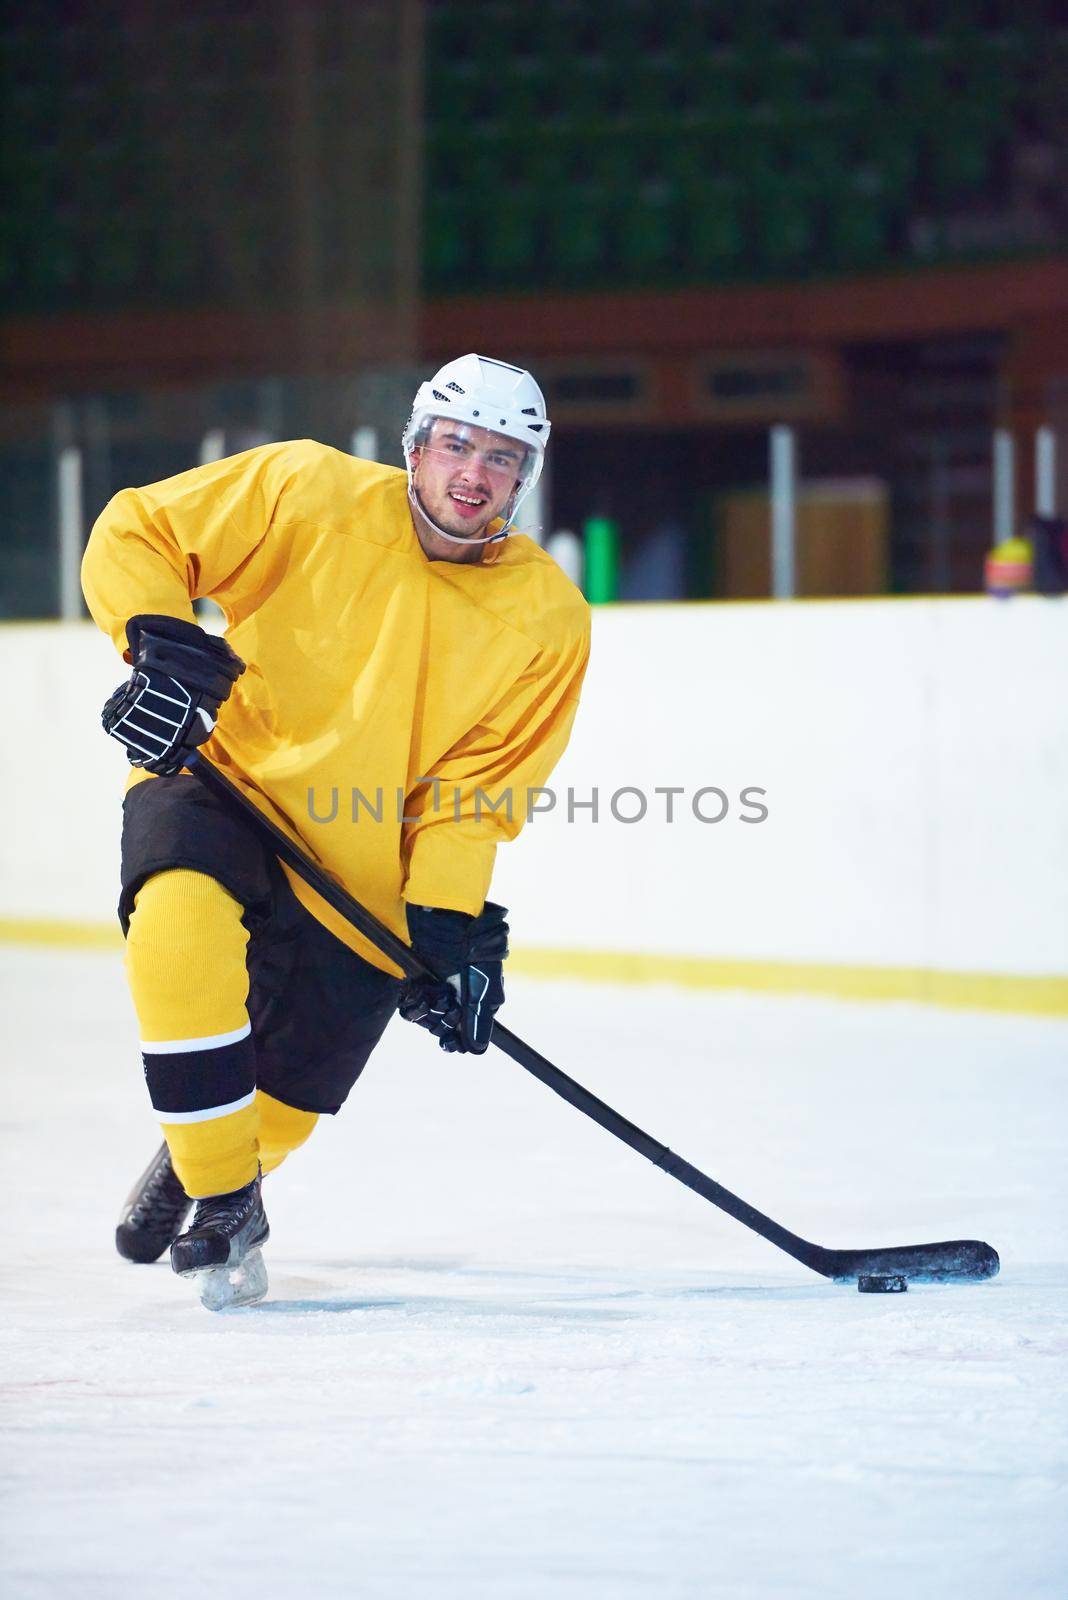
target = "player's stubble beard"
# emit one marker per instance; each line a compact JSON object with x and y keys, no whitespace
{"x":435,"y":548}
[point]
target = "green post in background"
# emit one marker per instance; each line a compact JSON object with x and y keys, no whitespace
{"x":600,"y":537}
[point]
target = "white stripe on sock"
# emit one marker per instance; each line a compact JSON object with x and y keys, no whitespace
{"x":208,"y":1114}
{"x":211,"y":1041}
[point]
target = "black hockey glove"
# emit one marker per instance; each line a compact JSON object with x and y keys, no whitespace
{"x":459,"y":1007}
{"x":181,"y":676}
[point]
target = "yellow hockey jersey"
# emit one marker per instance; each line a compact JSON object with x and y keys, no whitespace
{"x":395,"y":712}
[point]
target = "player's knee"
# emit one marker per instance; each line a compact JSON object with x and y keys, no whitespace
{"x":185,"y":956}
{"x":185,"y":916}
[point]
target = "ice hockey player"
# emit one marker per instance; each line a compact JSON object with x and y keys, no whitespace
{"x":398,"y":671}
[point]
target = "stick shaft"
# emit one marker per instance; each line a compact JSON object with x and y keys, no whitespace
{"x":517,"y":1049}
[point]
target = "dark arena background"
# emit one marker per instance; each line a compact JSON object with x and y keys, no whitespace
{"x":794,"y":281}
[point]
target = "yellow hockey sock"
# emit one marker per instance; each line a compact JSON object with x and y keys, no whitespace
{"x":185,"y":957}
{"x":216,"y":1156}
{"x":185,"y":960}
{"x":282,"y":1129}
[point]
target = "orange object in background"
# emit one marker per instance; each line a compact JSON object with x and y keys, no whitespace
{"x":842,"y":540}
{"x":1009,"y":568}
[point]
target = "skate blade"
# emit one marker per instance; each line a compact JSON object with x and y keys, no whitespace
{"x":221,"y":1288}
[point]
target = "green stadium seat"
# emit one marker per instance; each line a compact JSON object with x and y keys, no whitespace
{"x":525,"y":92}
{"x":713,"y":231}
{"x":915,"y":88}
{"x":114,"y":260}
{"x":881,"y":152}
{"x":51,"y":263}
{"x":646,"y":236}
{"x":960,"y":151}
{"x":457,"y":97}
{"x":178,"y":255}
{"x":622,"y":36}
{"x":655,"y":89}
{"x":855,"y":82}
{"x":713,"y":87}
{"x":578,"y":238}
{"x":451,"y":32}
{"x":786,"y":234}
{"x":446,"y":243}
{"x":472,"y":161}
{"x":691,"y":161}
{"x":511,"y":239}
{"x":786,"y":85}
{"x":691,"y":30}
{"x":752,"y":30}
{"x":858,"y":226}
{"x":639,"y":151}
{"x":548,"y":162}
{"x":9,"y":255}
{"x":819,"y":27}
{"x":580,"y":91}
{"x":559,"y":65}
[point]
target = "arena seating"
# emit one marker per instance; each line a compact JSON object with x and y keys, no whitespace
{"x":568,"y":145}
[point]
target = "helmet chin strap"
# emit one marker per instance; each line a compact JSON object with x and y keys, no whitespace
{"x":453,"y":538}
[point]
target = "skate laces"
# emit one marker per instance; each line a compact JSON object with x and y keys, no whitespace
{"x":161,"y":1197}
{"x":227,"y":1209}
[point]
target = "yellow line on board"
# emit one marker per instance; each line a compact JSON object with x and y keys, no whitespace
{"x":83,"y":935}
{"x":972,"y":991}
{"x":979,"y":991}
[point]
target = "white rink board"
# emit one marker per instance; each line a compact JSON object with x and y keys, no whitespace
{"x":61,"y":780}
{"x":915,"y":757}
{"x":914,"y":754}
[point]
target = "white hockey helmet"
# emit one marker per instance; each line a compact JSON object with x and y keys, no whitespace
{"x":487,"y":394}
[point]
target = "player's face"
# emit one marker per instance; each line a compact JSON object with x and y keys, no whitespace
{"x":465,"y":476}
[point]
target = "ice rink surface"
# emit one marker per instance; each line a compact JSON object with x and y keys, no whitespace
{"x":503,"y":1356}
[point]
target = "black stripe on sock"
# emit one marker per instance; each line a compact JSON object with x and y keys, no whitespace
{"x":197,"y":1080}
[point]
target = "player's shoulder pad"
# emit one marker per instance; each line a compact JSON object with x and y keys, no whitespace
{"x":319,"y":481}
{"x":310,"y":453}
{"x":554,"y":608}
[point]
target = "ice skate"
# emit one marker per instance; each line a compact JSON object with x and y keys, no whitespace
{"x":221,"y":1248}
{"x":154,"y":1212}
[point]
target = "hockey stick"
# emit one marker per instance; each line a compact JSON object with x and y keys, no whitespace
{"x":957,"y":1260}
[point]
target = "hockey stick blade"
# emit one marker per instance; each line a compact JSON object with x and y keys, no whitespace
{"x":953,"y":1261}
{"x":958,"y":1261}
